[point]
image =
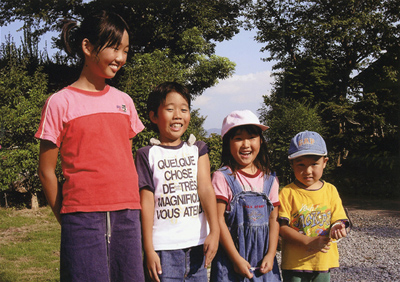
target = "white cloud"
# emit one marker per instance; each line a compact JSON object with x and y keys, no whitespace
{"x":235,"y":93}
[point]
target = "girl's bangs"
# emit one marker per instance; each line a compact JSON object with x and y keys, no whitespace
{"x":249,"y":128}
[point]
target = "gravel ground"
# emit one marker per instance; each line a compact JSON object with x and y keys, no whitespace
{"x":371,"y":251}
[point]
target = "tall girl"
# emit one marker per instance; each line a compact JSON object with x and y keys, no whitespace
{"x":247,"y":200}
{"x":91,"y":126}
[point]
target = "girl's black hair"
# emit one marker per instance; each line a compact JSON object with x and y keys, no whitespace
{"x":261,"y":161}
{"x":103,"y":29}
{"x":159,"y":94}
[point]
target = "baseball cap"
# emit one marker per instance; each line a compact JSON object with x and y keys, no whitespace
{"x":307,"y":143}
{"x":242,"y":117}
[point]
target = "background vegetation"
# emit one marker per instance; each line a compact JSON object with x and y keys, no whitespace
{"x":337,"y":73}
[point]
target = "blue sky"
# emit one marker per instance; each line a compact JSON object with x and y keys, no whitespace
{"x":244,"y":90}
{"x":17,"y":36}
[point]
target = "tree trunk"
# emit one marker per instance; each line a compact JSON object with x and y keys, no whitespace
{"x":5,"y":199}
{"x":34,"y":202}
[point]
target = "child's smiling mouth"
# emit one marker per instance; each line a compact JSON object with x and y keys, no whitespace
{"x":176,"y":126}
{"x":245,"y":154}
{"x":114,"y":67}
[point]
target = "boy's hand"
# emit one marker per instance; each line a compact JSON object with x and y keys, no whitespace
{"x":210,"y":247}
{"x":153,"y":266}
{"x":242,"y":267}
{"x":267,"y":264}
{"x":319,"y":244}
{"x":338,"y":231}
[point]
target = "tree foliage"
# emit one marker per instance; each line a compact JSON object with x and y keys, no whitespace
{"x":214,"y":142}
{"x":184,"y":29}
{"x":340,"y":58}
{"x":347,"y":32}
{"x":154,"y":24}
{"x":286,"y":119}
{"x":22,"y":95}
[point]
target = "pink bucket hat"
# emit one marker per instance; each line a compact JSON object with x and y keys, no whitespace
{"x":237,"y":118}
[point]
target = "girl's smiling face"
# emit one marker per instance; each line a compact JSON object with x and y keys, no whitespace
{"x":244,"y":148}
{"x":109,"y":60}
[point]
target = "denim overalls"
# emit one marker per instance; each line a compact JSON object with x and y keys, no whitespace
{"x":248,"y":223}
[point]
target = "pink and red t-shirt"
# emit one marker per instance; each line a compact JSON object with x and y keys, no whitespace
{"x":92,"y":130}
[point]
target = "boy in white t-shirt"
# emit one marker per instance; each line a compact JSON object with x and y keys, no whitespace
{"x":176,"y":193}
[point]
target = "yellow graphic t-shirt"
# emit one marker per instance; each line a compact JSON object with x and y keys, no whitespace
{"x":310,"y":213}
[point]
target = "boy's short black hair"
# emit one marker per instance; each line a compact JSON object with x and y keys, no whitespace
{"x":159,"y":94}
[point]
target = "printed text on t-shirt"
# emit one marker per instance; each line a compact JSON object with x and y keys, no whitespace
{"x":179,"y":196}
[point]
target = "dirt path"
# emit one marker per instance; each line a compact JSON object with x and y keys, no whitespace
{"x":384,"y":207}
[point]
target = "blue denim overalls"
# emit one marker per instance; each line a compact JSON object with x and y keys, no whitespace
{"x":248,"y":223}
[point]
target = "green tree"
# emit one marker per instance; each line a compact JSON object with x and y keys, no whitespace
{"x":185,"y":30}
{"x":286,"y":119}
{"x":323,"y":49}
{"x":214,"y":142}
{"x":154,"y":24}
{"x":22,"y":95}
{"x":348,"y":33}
{"x":376,"y":141}
{"x":309,"y":82}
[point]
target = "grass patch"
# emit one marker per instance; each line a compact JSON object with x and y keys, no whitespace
{"x":29,"y":245}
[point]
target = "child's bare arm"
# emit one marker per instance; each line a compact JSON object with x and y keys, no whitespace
{"x":47,"y":174}
{"x":318,"y":243}
{"x":209,"y":205}
{"x":268,"y":260}
{"x":153,"y":263}
{"x":240,"y":265}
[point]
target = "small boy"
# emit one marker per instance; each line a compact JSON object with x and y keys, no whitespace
{"x":176,"y":193}
{"x":311,"y":214}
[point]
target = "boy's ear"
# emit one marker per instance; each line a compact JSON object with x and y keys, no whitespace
{"x":153,"y":117}
{"x":325,"y":161}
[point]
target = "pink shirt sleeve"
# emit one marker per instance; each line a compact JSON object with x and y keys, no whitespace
{"x":52,"y":123}
{"x":274,"y":194}
{"x":221,"y":188}
{"x":136,"y":124}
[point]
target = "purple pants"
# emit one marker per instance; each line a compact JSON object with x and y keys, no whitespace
{"x":101,"y":246}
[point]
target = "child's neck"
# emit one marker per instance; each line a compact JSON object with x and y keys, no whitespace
{"x":251,"y":170}
{"x":89,"y":82}
{"x":170,"y":143}
{"x":316,"y":186}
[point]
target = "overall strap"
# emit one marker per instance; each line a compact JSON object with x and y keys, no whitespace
{"x":268,"y":181}
{"x":232,"y":182}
